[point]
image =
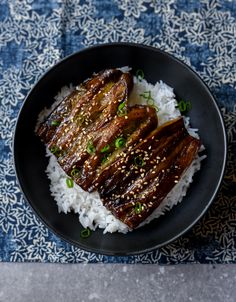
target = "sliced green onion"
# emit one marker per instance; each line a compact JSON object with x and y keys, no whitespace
{"x":146,"y":94}
{"x":184,"y":106}
{"x":85,"y":233}
{"x":121,"y":109}
{"x":90,"y":147}
{"x":54,"y":150}
{"x":121,"y":106}
{"x":138,"y":207}
{"x":105,"y":149}
{"x":150,"y":102}
{"x":120,"y":142}
{"x":105,"y":157}
{"x":69,"y":183}
{"x":75,"y":172}
{"x":55,"y":123}
{"x":138,"y":161}
{"x":140,"y":74}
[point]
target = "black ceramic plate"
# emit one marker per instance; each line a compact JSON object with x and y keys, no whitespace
{"x":30,"y":160}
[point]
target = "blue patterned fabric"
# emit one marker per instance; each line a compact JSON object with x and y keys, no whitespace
{"x":35,"y":34}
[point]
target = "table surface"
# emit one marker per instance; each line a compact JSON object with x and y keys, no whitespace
{"x":114,"y":282}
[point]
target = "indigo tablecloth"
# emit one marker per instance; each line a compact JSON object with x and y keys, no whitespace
{"x":35,"y":34}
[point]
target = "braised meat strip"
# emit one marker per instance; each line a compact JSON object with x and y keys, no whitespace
{"x":104,"y":144}
{"x":73,"y":104}
{"x":150,"y":171}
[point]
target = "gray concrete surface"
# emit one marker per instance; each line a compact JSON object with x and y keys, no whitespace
{"x":116,"y":283}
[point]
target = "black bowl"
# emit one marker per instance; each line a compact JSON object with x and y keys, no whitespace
{"x":30,"y":160}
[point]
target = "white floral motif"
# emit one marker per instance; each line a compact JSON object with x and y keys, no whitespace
{"x":132,"y":7}
{"x":11,"y":86}
{"x":48,"y":57}
{"x":8,"y":192}
{"x":7,"y":216}
{"x":19,"y":9}
{"x":161,"y":5}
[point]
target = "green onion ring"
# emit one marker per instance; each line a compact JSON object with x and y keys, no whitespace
{"x":85,"y":233}
{"x":138,"y":207}
{"x":150,"y":102}
{"x":69,"y":183}
{"x":54,"y":149}
{"x":121,"y":111}
{"x":120,"y":142}
{"x":55,"y":123}
{"x":140,"y":74}
{"x":90,"y":147}
{"x":105,"y":148}
{"x":75,"y":172}
{"x":138,"y":161}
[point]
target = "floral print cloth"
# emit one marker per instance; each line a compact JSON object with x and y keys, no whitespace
{"x":35,"y":34}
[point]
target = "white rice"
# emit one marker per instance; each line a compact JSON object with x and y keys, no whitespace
{"x":88,"y":206}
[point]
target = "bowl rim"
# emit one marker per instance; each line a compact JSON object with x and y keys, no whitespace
{"x":223,"y":128}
